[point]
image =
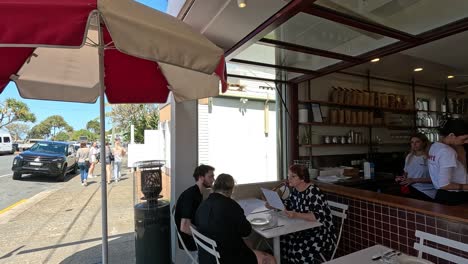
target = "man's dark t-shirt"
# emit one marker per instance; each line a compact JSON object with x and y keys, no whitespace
{"x":222,"y":219}
{"x":186,"y":206}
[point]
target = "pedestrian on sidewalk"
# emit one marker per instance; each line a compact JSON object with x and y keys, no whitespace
{"x":109,"y":160}
{"x":93,"y":158}
{"x":119,"y":153}
{"x":83,"y":162}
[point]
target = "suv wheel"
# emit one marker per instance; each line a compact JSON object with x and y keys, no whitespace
{"x":16,"y":176}
{"x":61,"y":177}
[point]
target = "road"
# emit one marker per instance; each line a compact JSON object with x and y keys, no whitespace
{"x":12,"y":191}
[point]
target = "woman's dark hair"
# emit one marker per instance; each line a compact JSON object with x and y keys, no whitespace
{"x":301,"y":171}
{"x":458,"y":127}
{"x":224,"y":183}
{"x":82,"y":144}
{"x":201,"y":171}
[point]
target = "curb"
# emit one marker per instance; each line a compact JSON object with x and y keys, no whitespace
{"x":17,"y":210}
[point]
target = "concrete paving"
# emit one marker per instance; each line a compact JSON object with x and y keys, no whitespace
{"x":63,"y":225}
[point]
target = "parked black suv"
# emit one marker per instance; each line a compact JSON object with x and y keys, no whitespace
{"x":51,"y":158}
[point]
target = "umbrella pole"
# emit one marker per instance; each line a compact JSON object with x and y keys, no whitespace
{"x":102,"y":119}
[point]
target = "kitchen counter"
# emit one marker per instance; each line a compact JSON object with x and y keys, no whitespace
{"x":456,"y":213}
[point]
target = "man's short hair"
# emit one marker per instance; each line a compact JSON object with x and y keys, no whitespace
{"x":201,"y":171}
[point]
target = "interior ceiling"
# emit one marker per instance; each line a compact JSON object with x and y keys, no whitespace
{"x":224,"y":23}
{"x":439,"y":59}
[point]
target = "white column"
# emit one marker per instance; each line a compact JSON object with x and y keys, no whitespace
{"x":184,"y":157}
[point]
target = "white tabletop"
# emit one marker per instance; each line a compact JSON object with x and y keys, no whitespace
{"x":285,"y":225}
{"x":362,"y":256}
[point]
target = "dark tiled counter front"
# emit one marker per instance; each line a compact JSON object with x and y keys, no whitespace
{"x":376,"y":218}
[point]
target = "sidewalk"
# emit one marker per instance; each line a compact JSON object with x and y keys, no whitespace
{"x":64,"y":225}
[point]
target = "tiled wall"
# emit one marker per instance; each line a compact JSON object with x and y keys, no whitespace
{"x":371,"y":223}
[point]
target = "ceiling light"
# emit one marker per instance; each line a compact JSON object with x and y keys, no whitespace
{"x":418,"y":69}
{"x":241,"y":3}
{"x":450,"y":77}
{"x":375,"y":60}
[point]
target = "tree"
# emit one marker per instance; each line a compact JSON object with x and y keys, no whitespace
{"x":18,"y":130}
{"x":50,"y":127}
{"x":75,"y":135}
{"x":39,"y":131}
{"x":13,"y":110}
{"x":142,"y":116}
{"x":94,"y":126}
{"x":62,"y":136}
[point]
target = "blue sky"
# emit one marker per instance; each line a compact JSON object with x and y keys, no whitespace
{"x":76,"y":114}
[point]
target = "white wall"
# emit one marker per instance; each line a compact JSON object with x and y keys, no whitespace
{"x":236,"y":143}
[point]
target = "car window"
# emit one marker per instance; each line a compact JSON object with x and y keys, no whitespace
{"x":6,"y":139}
{"x":49,"y":148}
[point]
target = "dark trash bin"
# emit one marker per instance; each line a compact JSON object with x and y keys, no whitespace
{"x":152,"y":217}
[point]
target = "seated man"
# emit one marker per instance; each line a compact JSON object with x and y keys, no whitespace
{"x":222,"y":219}
{"x":188,"y":203}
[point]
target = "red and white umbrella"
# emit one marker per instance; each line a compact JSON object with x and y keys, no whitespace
{"x":50,"y":49}
{"x":79,"y":50}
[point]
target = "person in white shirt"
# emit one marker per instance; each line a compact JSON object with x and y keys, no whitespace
{"x":447,"y":163}
{"x":416,"y":172}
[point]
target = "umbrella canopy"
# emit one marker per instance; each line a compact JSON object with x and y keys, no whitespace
{"x":75,"y":50}
{"x":49,"y":49}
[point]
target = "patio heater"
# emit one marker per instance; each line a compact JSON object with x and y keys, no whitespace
{"x":152,"y":215}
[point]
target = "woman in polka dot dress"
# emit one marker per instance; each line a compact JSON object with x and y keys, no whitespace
{"x":307,"y":202}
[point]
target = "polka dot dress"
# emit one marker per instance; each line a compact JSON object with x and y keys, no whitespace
{"x":306,"y":246}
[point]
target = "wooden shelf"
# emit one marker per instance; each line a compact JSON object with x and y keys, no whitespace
{"x":428,"y":127}
{"x":439,"y":112}
{"x":350,"y":125}
{"x":365,"y":107}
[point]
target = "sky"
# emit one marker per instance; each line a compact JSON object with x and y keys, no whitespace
{"x":76,"y":114}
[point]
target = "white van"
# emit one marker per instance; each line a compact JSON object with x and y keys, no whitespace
{"x":6,"y":143}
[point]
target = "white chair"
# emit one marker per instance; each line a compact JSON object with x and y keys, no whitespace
{"x":206,"y":243}
{"x":437,"y":252}
{"x":338,"y":210}
{"x":189,"y":254}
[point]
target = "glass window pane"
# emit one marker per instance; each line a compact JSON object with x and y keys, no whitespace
{"x":319,"y":33}
{"x":255,"y":71}
{"x":411,"y":16}
{"x":276,"y":56}
{"x":237,"y":131}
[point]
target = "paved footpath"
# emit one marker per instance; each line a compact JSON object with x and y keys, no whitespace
{"x":63,"y":225}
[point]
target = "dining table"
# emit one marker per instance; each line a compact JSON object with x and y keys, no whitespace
{"x":255,"y":209}
{"x":374,"y":255}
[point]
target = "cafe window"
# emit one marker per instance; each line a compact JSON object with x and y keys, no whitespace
{"x":237,"y":132}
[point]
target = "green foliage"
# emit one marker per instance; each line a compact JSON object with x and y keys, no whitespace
{"x":142,"y":116}
{"x":94,"y":126}
{"x":50,"y":127}
{"x":12,"y":110}
{"x":75,"y":135}
{"x":62,"y":136}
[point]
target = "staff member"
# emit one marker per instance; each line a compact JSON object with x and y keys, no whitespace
{"x":446,"y":163}
{"x":416,"y":171}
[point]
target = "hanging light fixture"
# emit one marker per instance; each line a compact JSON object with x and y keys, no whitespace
{"x":241,"y":3}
